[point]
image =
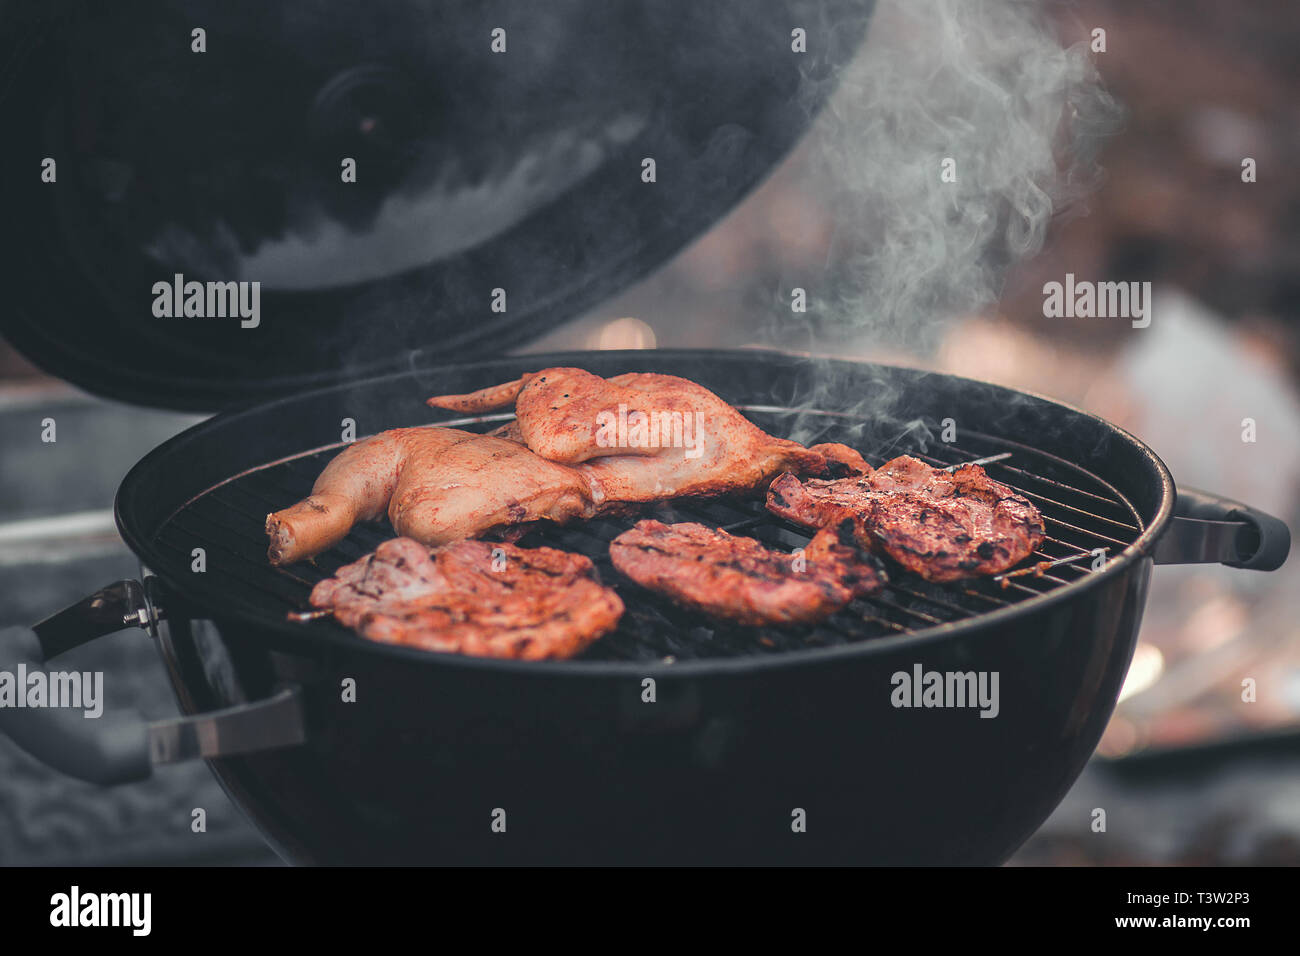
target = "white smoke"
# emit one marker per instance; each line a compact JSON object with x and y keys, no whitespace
{"x":987,"y":85}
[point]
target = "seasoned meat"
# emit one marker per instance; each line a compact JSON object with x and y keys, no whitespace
{"x":943,"y":526}
{"x":473,"y":597}
{"x":559,"y":460}
{"x":508,"y":430}
{"x":841,"y":461}
{"x":436,"y":484}
{"x":644,"y":436}
{"x":739,"y":579}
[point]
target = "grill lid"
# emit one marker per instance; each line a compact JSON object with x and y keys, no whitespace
{"x":475,"y":171}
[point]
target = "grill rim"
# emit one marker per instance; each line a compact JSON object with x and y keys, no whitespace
{"x":312,"y":642}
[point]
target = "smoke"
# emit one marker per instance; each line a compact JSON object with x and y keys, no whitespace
{"x":959,"y":132}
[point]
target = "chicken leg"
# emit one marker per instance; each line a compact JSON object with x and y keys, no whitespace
{"x":437,"y":485}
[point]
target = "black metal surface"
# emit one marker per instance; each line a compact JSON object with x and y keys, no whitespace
{"x":413,"y":768}
{"x":121,"y":604}
{"x":711,"y":773}
{"x":475,"y":171}
{"x":1212,"y":528}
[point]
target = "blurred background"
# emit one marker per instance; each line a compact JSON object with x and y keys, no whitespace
{"x":1188,"y":772}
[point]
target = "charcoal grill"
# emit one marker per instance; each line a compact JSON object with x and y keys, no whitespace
{"x":748,"y":725}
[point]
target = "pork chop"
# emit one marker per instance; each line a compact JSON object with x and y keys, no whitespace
{"x":943,"y":526}
{"x":473,"y":597}
{"x":739,"y":579}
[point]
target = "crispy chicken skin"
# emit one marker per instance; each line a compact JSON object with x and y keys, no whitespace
{"x":436,"y":484}
{"x":699,"y":444}
{"x":567,"y":455}
{"x":473,"y":597}
{"x":942,"y":526}
{"x":841,"y":461}
{"x":739,"y":579}
{"x":625,"y":480}
{"x":558,"y":411}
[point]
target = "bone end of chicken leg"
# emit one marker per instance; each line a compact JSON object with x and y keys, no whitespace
{"x":436,"y":484}
{"x":311,"y":526}
{"x":355,"y":486}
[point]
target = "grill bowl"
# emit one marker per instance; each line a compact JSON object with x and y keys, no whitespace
{"x":740,"y":737}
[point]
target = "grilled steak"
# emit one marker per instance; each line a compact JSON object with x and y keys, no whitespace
{"x":739,"y":579}
{"x":943,"y":526}
{"x":473,"y":597}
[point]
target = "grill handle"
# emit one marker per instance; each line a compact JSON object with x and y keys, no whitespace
{"x":124,"y":747}
{"x":120,"y":605}
{"x":1210,"y":529}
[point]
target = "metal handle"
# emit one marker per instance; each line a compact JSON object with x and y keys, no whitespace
{"x":121,"y":748}
{"x":1209,"y":529}
{"x":120,"y":605}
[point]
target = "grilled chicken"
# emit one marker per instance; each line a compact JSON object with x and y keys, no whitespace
{"x":436,"y":484}
{"x":943,"y":526}
{"x":645,"y":436}
{"x":738,"y":579}
{"x":841,"y":461}
{"x":580,"y":445}
{"x":473,"y":597}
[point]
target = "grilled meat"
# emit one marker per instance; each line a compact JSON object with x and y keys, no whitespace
{"x":738,"y":579}
{"x":473,"y":597}
{"x":560,"y":459}
{"x":943,"y":526}
{"x":436,"y":484}
{"x":841,"y":461}
{"x":646,"y":436}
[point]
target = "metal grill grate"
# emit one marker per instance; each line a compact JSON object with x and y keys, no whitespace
{"x":1082,"y":514}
